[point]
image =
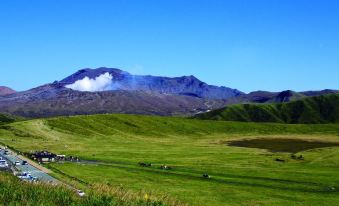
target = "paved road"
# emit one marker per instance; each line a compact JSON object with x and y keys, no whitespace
{"x":29,"y":168}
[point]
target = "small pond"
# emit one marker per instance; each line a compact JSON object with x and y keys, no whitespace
{"x":281,"y":145}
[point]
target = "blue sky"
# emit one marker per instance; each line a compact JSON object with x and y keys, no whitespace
{"x":245,"y":44}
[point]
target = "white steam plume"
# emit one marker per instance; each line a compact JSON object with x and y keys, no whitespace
{"x":100,"y":83}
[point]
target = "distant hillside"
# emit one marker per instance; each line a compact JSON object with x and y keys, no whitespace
{"x":6,"y":90}
{"x":318,"y":109}
{"x":6,"y":118}
{"x":276,"y":97}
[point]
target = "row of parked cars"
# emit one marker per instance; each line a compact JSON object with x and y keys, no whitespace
{"x":27,"y":176}
{"x":23,"y":175}
{"x":3,"y":163}
{"x":18,"y":163}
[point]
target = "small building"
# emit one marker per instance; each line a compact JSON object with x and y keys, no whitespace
{"x":61,"y":157}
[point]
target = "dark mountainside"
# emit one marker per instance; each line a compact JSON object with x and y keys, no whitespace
{"x":276,"y":97}
{"x":6,"y":90}
{"x":186,"y":85}
{"x":53,"y":100}
{"x":317,"y":109}
{"x":134,"y":94}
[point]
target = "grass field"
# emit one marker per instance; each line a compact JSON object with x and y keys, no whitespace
{"x":16,"y":192}
{"x":239,"y":176}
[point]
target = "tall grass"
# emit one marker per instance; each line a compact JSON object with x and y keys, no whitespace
{"x":16,"y":192}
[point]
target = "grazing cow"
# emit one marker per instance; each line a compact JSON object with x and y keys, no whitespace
{"x":293,"y":156}
{"x":300,"y":157}
{"x":279,"y":160}
{"x":143,"y":164}
{"x":206,"y":176}
{"x":165,"y":167}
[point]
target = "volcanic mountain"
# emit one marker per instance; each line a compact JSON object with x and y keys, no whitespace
{"x":121,"y":80}
{"x":110,"y":90}
{"x":107,"y":90}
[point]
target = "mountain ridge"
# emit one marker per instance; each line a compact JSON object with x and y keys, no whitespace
{"x":122,"y":92}
{"x":276,"y":97}
{"x":6,"y":91}
{"x":55,"y":100}
{"x":169,"y":85}
{"x":309,"y":110}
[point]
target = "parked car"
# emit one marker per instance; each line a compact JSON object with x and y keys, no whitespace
{"x":17,"y":163}
{"x":3,"y":164}
{"x":25,"y":176}
{"x":24,"y":162}
{"x":35,"y":179}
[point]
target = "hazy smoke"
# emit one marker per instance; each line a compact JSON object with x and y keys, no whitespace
{"x":100,"y":83}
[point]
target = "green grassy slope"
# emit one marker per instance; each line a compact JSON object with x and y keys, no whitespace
{"x":240,"y":176}
{"x":320,"y":109}
{"x":16,"y":192}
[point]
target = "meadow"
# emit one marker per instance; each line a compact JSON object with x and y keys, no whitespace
{"x":16,"y":192}
{"x":113,"y":145}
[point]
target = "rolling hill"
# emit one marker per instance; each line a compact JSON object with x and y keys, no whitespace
{"x":317,"y":109}
{"x":276,"y":97}
{"x":110,"y":148}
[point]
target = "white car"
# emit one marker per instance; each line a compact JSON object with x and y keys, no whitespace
{"x":80,"y":193}
{"x":3,"y":164}
{"x":25,"y":175}
{"x":17,"y":163}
